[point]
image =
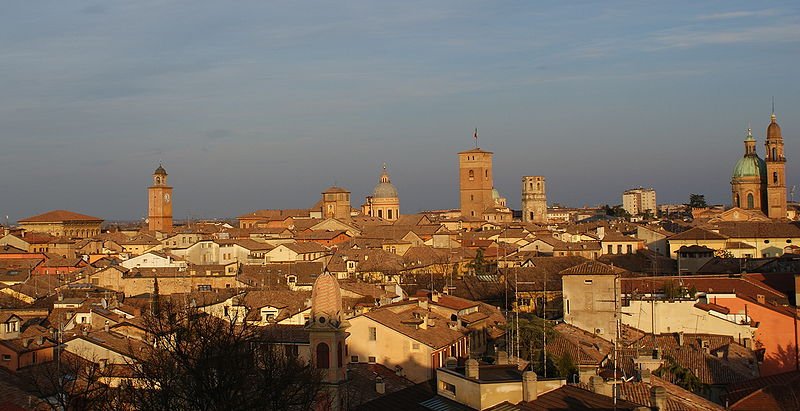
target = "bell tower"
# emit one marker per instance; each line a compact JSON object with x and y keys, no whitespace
{"x":159,"y":211}
{"x":776,"y":170}
{"x":534,"y":200}
{"x":328,"y":340}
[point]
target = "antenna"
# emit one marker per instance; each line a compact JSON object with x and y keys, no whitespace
{"x":773,"y":104}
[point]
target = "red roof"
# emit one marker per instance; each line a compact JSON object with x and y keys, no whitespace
{"x":59,"y":216}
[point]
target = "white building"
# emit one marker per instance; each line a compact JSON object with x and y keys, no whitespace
{"x":639,"y":201}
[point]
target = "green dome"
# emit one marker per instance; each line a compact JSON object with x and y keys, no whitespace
{"x":750,"y":166}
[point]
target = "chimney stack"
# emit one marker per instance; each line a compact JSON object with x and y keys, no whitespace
{"x":502,"y":358}
{"x":450,"y":363}
{"x":680,"y":339}
{"x":472,"y":368}
{"x":658,"y":398}
{"x":380,"y":386}
{"x":529,"y":389}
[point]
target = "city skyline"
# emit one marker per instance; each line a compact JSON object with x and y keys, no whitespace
{"x":265,"y":106}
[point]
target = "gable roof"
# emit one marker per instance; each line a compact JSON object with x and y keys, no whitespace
{"x":697,"y":233}
{"x":591,"y":268}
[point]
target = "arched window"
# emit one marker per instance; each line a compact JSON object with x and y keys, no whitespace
{"x":389,"y":214}
{"x":774,"y":152}
{"x":531,"y":215}
{"x":339,"y":355}
{"x":486,"y":173}
{"x":539,"y":186}
{"x":736,"y":202}
{"x":323,"y":356}
{"x":471,"y":174}
{"x":750,"y":201}
{"x":775,"y":177}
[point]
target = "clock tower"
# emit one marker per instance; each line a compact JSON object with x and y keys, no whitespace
{"x":159,"y":212}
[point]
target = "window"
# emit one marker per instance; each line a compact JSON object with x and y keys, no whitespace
{"x":339,"y":355}
{"x":353,"y":358}
{"x":6,"y":357}
{"x":323,"y":356}
{"x":531,"y":217}
{"x":567,"y":306}
{"x":750,"y":201}
{"x":415,"y":346}
{"x":373,"y":334}
{"x":610,"y":249}
{"x":371,"y":360}
{"x":587,"y":282}
{"x":380,"y":213}
{"x":630,"y":249}
{"x":619,"y":248}
{"x":204,"y":287}
{"x":33,"y":357}
{"x":486,"y":173}
{"x":774,"y":154}
{"x":389,"y":214}
{"x":448,"y":388}
{"x":471,"y":175}
{"x":775,"y":177}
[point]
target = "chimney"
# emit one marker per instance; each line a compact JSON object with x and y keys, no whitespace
{"x":380,"y":386}
{"x":529,"y":389}
{"x":681,"y":339}
{"x":502,"y":358}
{"x":40,"y":340}
{"x":434,"y":296}
{"x":60,"y":297}
{"x":472,"y":368}
{"x":106,"y":326}
{"x":451,"y":363}
{"x":658,"y":398}
{"x":761,"y":299}
{"x":102,"y":363}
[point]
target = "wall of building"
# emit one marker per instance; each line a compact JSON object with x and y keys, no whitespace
{"x":589,"y":302}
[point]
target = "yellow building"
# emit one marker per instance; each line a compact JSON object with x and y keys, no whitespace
{"x":62,"y":223}
{"x":384,"y":202}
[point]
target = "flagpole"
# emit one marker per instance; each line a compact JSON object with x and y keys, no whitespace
{"x":476,"y":137}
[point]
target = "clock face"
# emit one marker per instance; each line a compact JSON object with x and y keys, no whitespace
{"x":166,"y":198}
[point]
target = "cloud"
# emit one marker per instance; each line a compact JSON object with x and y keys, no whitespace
{"x":738,"y":15}
{"x":684,"y":38}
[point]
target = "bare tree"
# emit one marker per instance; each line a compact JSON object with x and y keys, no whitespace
{"x":199,"y":362}
{"x":69,"y":383}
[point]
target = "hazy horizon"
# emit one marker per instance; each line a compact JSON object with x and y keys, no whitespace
{"x":253,"y":105}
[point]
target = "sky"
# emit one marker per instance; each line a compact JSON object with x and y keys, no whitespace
{"x":261,"y":104}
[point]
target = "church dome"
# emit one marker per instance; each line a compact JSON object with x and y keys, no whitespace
{"x":750,"y":166}
{"x":385,"y":188}
{"x":773,"y":130}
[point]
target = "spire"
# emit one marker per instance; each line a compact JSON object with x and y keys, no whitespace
{"x":772,"y":117}
{"x":749,"y":133}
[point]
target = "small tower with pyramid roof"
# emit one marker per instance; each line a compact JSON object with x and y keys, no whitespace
{"x":327,"y":338}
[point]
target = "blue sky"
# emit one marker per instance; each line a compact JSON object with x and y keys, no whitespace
{"x":256,"y":104}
